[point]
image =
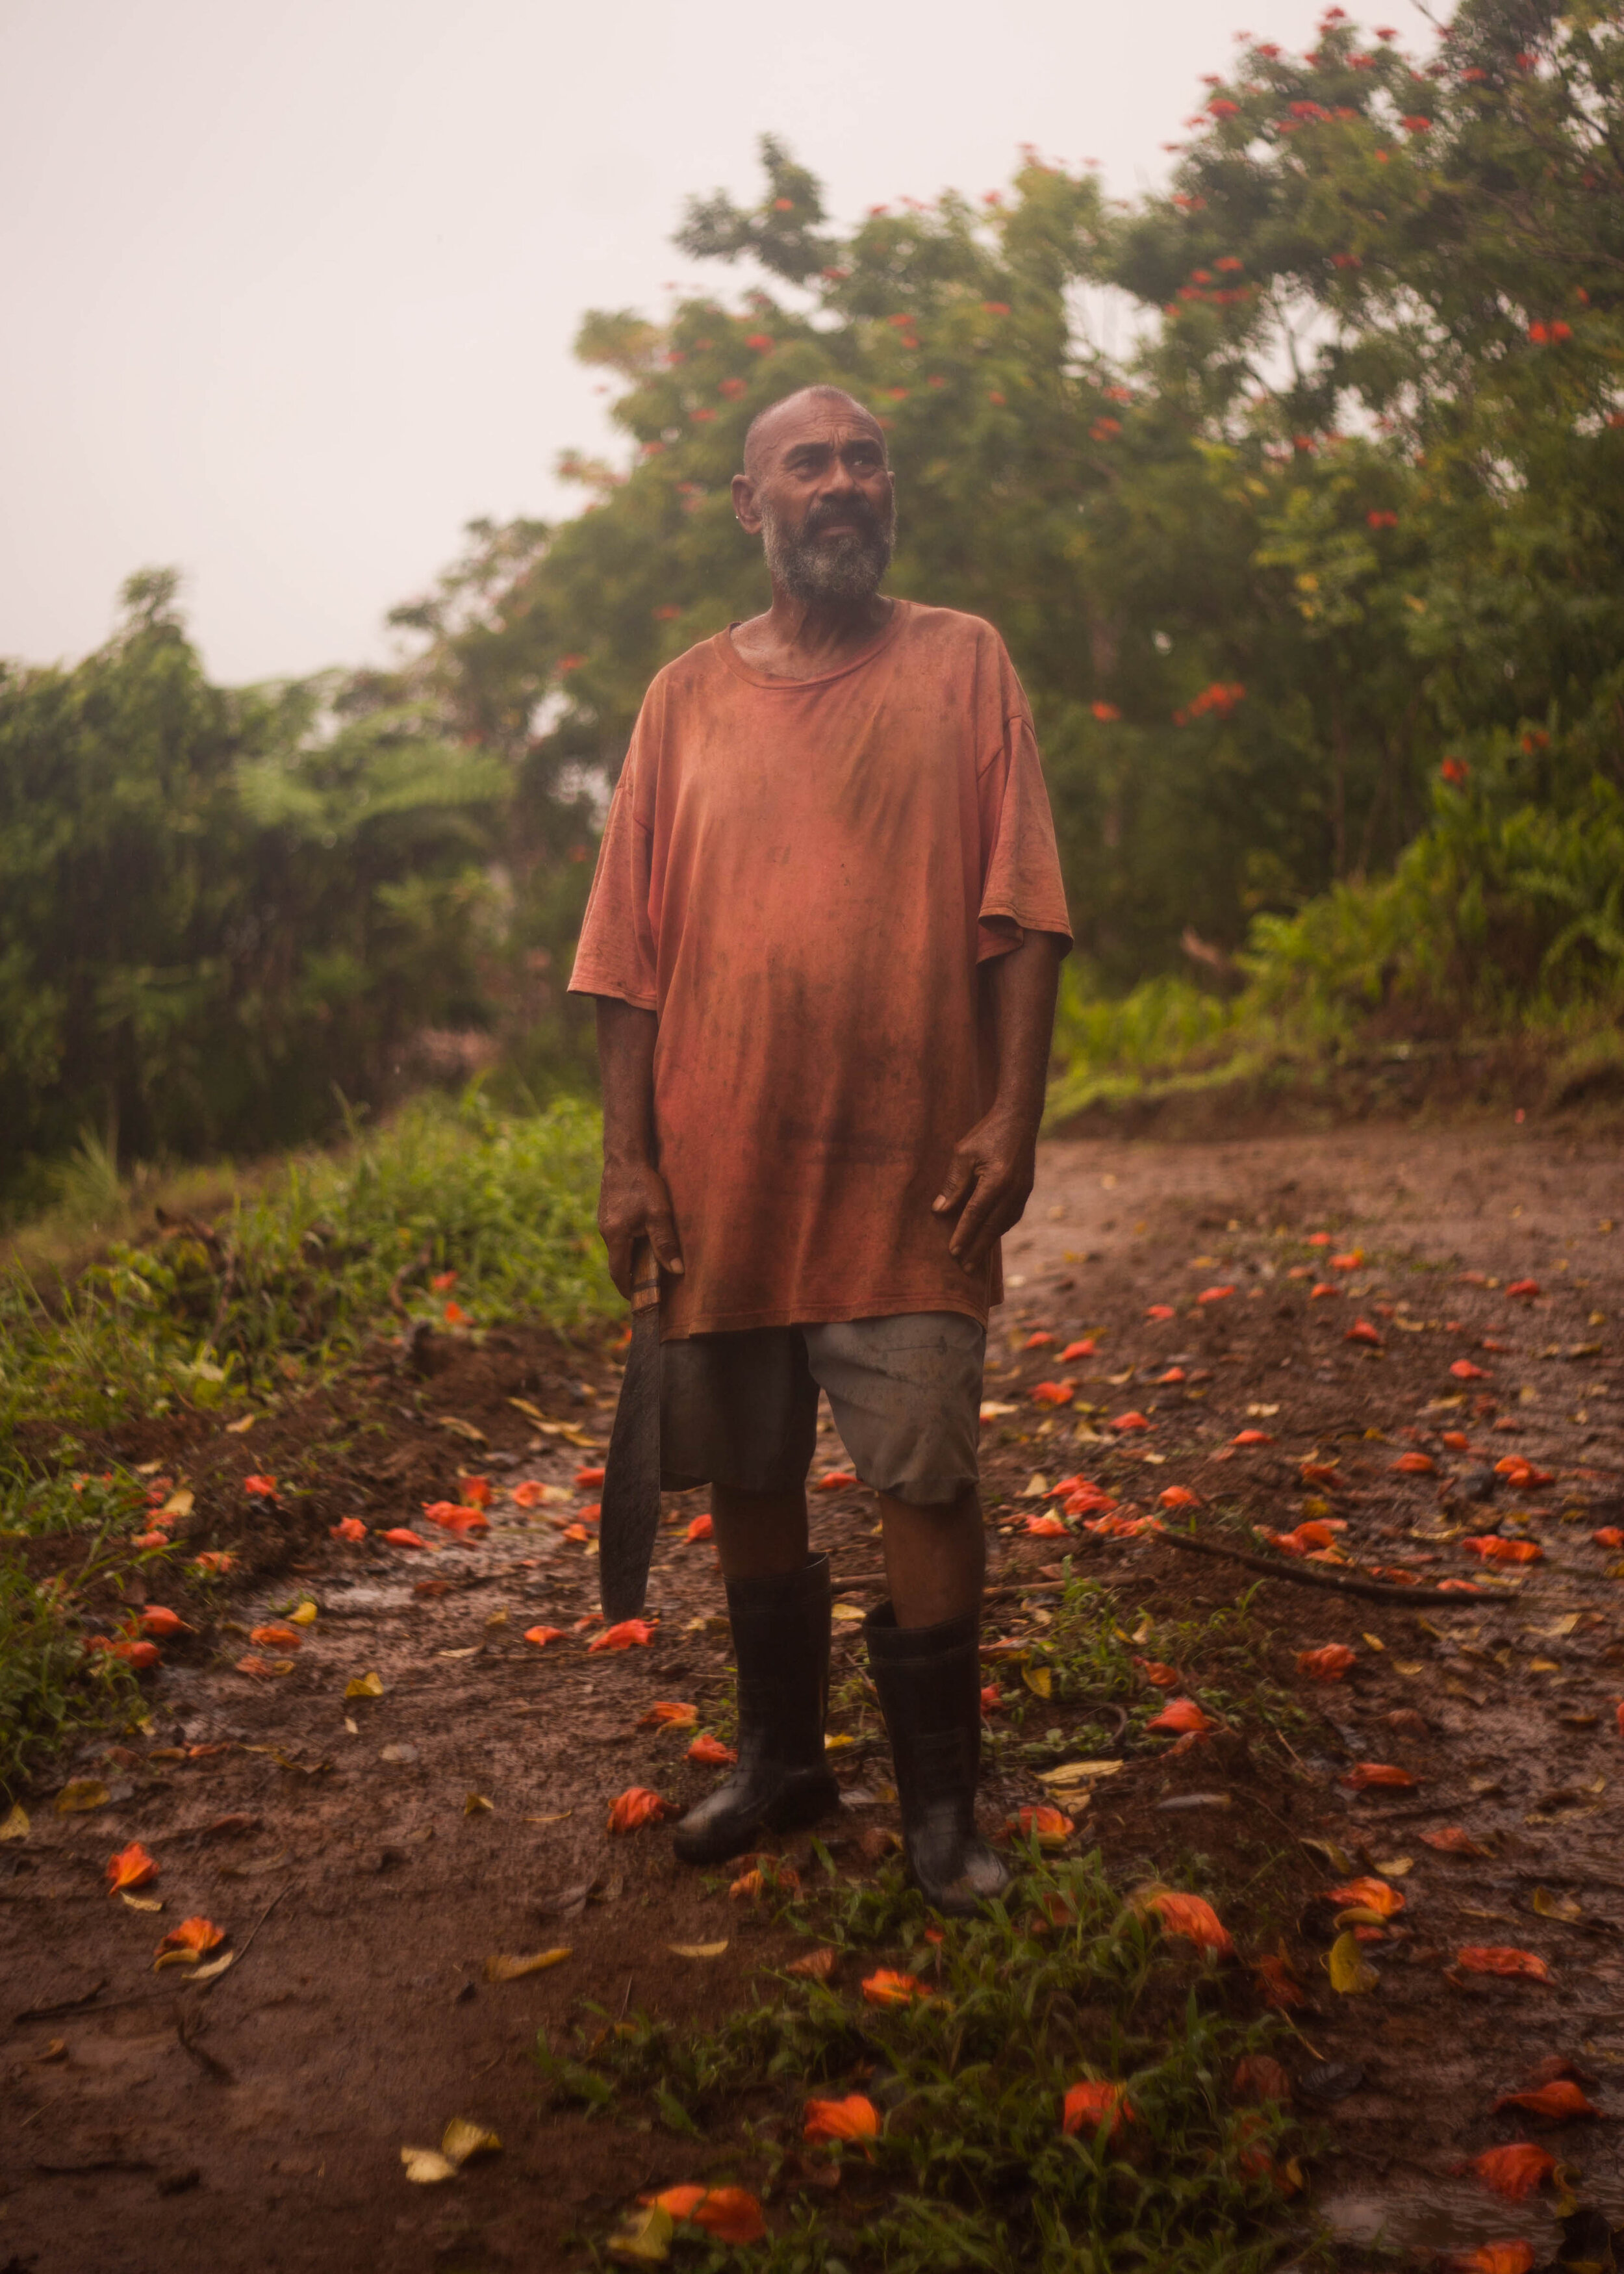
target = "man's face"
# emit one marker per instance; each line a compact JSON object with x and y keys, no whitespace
{"x":824,"y":500}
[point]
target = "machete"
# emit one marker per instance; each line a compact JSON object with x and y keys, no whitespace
{"x":631,"y":1505}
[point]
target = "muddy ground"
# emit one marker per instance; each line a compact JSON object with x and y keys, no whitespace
{"x":256,"y":2121}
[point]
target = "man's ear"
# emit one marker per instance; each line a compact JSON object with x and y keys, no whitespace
{"x":744,"y":504}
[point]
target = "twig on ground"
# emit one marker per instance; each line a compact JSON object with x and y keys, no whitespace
{"x":1374,"y":1591}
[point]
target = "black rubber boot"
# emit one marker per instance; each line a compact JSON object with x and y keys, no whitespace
{"x":781,"y":1643}
{"x":930,"y":1683}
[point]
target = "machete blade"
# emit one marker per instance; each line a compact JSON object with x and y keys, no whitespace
{"x":629,"y":1522}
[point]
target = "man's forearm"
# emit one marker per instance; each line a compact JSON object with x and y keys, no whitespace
{"x":626,"y":1038}
{"x":1026,"y":983}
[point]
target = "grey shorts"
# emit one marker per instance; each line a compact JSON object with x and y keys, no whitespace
{"x":741,"y":1410}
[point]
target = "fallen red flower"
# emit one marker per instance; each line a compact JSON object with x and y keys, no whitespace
{"x":1365,"y":1774}
{"x":855,"y":2118}
{"x":1193,"y":1918}
{"x":637,"y":1805}
{"x":131,"y":1867}
{"x":627,"y":1634}
{"x":1328,"y":1663}
{"x":702,"y":1527}
{"x":1514,"y":2171}
{"x":1088,"y":2105}
{"x":1560,"y":2101}
{"x":1053,"y":1393}
{"x":349,"y":1528}
{"x":888,"y":1988}
{"x":711,"y":1752}
{"x":1494,"y":1958}
{"x":1178,"y":1496}
{"x":542,"y":1636}
{"x":1183,"y":1716}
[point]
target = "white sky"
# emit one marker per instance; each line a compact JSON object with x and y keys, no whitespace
{"x":289,"y":285}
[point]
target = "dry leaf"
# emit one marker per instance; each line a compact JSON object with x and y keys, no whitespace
{"x":1336,"y":1857}
{"x":698,"y":1949}
{"x":816,"y":1965}
{"x":1079,"y":1772}
{"x":848,"y":1614}
{"x":1396,"y":1866}
{"x":1039,"y":1680}
{"x":476,"y":1804}
{"x":15,"y":1825}
{"x":215,"y":1966}
{"x":1345,"y":1965}
{"x":364,"y":1685}
{"x":306,"y":1616}
{"x":80,"y":1794}
{"x":460,"y":1429}
{"x":178,"y":1503}
{"x":140,"y":1902}
{"x":426,"y":2167}
{"x":645,"y":2239}
{"x":514,"y":1970}
{"x":1556,"y":1907}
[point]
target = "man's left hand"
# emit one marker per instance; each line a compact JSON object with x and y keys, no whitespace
{"x":989,"y":1181}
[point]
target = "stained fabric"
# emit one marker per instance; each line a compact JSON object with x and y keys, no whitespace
{"x":806,"y":880}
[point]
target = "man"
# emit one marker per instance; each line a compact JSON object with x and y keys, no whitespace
{"x":824,"y":936}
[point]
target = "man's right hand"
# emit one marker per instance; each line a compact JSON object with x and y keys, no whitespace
{"x":634,"y":1204}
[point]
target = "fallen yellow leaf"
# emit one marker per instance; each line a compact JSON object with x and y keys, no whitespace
{"x":179,"y":1501}
{"x":460,"y":1429}
{"x":426,"y":2167}
{"x":1348,"y":1973}
{"x":364,"y":1685}
{"x":1556,"y":1907}
{"x":1337,"y":1857}
{"x":1395,"y":1867}
{"x":500,"y":1968}
{"x":15,"y":1825}
{"x":1071,"y":1772}
{"x":697,"y":1949}
{"x":463,"y":2139}
{"x":79,"y":1794}
{"x":240,"y":1428}
{"x":141,"y":1902}
{"x":476,"y":1804}
{"x":1038,"y":1680}
{"x":305,"y":1616}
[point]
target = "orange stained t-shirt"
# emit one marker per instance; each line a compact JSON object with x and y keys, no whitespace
{"x":803,"y":879}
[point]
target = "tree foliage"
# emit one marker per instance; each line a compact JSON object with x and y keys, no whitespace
{"x":217,"y":908}
{"x":1348,"y":504}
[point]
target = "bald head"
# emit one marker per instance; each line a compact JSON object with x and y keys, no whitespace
{"x":768,"y":428}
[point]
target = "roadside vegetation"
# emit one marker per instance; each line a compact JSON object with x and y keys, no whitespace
{"x":448,"y":1211}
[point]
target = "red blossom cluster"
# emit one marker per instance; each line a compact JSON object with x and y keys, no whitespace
{"x":1220,"y":698}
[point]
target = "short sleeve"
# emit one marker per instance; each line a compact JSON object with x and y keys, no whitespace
{"x":1021,"y":886}
{"x":615,"y":955}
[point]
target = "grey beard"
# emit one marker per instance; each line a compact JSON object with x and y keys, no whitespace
{"x":848,"y":567}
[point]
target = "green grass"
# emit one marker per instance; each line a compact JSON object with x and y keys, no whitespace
{"x":1067,"y":1981}
{"x":288,"y":1284}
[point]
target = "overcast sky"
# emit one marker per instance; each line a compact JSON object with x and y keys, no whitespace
{"x":290,"y":285}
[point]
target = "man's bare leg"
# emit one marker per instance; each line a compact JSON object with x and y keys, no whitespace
{"x":935,"y":1558}
{"x":759,"y":1535}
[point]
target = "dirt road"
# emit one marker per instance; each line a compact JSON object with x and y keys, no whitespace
{"x":381,"y":1848}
